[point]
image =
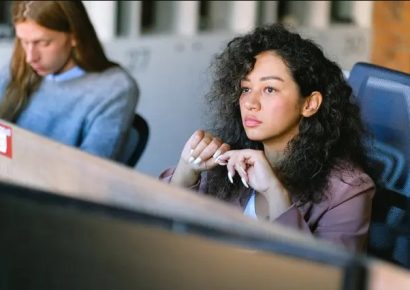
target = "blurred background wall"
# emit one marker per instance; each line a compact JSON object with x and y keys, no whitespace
{"x":390,"y":45}
{"x":168,"y":47}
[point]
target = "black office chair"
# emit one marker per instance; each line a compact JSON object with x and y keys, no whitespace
{"x":136,"y":142}
{"x":384,"y":97}
{"x":141,"y":126}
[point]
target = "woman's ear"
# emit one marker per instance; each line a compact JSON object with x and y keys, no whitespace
{"x":73,"y":40}
{"x":312,"y":104}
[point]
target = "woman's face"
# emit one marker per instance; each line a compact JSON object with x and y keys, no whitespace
{"x":270,"y":103}
{"x":47,"y":51}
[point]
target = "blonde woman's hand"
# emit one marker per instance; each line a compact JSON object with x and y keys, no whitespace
{"x":200,"y":153}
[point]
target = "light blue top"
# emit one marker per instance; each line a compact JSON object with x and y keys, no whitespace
{"x":72,"y":73}
{"x":88,"y":110}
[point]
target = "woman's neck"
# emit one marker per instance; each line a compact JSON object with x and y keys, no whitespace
{"x":274,"y":156}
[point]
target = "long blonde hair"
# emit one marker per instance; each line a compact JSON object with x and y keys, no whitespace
{"x":62,"y":16}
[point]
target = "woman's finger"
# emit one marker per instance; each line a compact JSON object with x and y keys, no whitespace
{"x":236,"y":162}
{"x":195,"y":138}
{"x":240,"y":168}
{"x":219,"y":156}
{"x":230,"y":167}
{"x":200,"y":146}
{"x":208,"y":151}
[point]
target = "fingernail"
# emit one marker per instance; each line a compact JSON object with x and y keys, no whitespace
{"x":197,"y":161}
{"x":242,"y":170}
{"x":244,"y":182}
{"x":218,"y":160}
{"x":230,"y":177}
{"x":192,"y":151}
{"x":191,"y":159}
{"x":216,"y":154}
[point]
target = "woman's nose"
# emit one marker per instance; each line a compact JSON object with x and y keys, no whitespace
{"x":32,"y":54}
{"x":252,"y":101}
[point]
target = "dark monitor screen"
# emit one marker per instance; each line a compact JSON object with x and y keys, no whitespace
{"x":49,"y":241}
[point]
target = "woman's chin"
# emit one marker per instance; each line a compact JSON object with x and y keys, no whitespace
{"x":254,"y":137}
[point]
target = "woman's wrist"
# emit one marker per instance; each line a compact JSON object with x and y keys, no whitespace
{"x":278,"y":202}
{"x":184,"y":175}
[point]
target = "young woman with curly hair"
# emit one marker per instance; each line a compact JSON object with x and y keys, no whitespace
{"x":286,"y":142}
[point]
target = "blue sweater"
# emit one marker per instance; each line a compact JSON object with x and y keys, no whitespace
{"x":93,"y":112}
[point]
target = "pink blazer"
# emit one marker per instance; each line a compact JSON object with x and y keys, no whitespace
{"x":342,"y":218}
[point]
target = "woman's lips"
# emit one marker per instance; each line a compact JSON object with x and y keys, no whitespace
{"x":252,"y":122}
{"x":37,"y":68}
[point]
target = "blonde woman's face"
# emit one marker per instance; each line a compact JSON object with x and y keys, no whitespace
{"x":47,"y":51}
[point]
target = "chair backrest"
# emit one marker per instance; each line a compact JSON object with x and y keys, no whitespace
{"x":136,"y":141}
{"x":141,"y":126}
{"x":384,"y":98}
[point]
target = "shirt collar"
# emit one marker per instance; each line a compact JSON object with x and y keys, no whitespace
{"x":72,"y":73}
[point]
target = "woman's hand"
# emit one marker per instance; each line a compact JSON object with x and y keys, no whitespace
{"x":252,"y":166}
{"x":199,"y":154}
{"x":255,"y":171}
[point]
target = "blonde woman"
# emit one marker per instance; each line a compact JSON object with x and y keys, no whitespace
{"x":60,"y":84}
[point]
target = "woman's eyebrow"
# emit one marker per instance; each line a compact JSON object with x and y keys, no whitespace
{"x":271,"y":78}
{"x":265,"y":78}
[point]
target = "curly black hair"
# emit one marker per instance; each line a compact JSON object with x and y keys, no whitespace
{"x":331,"y":138}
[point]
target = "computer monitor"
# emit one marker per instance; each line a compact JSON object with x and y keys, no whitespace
{"x":50,"y":241}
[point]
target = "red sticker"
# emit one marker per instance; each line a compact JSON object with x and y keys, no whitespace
{"x":5,"y":140}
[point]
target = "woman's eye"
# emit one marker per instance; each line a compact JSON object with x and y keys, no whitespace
{"x":270,"y":90}
{"x":44,"y":42}
{"x":245,"y":90}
